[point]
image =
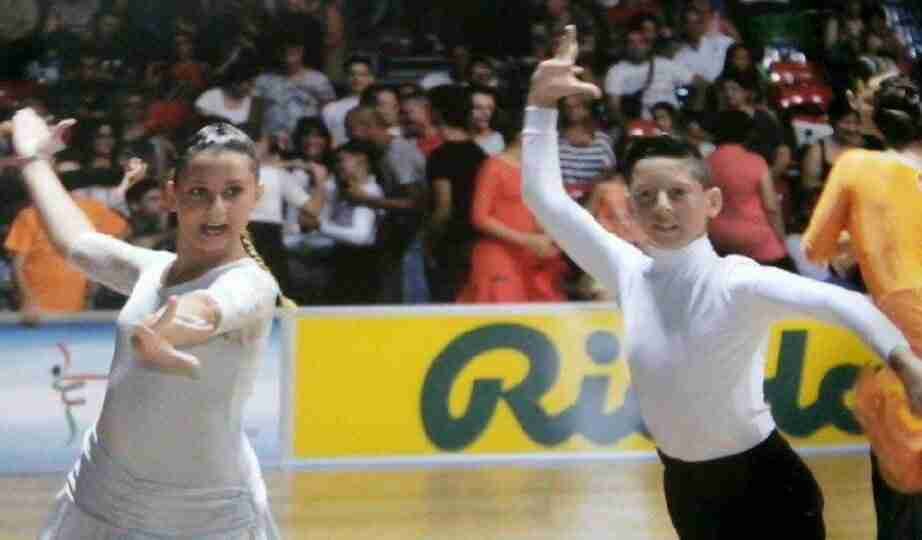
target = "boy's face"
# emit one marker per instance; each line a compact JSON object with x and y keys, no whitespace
{"x":670,"y":206}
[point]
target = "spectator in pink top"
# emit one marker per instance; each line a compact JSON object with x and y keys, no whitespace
{"x":750,"y":223}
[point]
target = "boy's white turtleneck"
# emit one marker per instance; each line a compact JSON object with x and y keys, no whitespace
{"x":695,"y":324}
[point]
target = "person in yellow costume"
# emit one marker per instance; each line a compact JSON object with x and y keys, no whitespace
{"x":876,"y":197}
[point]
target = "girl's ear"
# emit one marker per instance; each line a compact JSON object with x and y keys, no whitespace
{"x":259,"y":191}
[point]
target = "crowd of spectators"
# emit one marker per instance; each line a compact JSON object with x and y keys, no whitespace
{"x":389,"y":129}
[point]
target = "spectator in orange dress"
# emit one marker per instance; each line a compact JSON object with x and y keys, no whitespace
{"x":513,"y":261}
{"x":47,"y":283}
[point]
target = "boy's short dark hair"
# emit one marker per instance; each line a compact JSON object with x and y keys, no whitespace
{"x":136,"y":192}
{"x":452,"y":104}
{"x":369,"y":96}
{"x":360,"y":59}
{"x":665,"y":146}
{"x":357,"y":147}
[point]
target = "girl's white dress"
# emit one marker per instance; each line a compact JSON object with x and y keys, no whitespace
{"x":168,"y":457}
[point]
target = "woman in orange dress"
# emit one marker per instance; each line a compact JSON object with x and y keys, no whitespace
{"x":876,"y":197}
{"x":513,"y":261}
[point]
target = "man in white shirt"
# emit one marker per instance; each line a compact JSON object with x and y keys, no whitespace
{"x":361,"y":76}
{"x":353,"y":226}
{"x":403,"y":175}
{"x":634,"y":74}
{"x":703,"y":53}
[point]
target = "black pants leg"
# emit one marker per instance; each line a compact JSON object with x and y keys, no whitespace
{"x":899,"y":516}
{"x":765,"y":492}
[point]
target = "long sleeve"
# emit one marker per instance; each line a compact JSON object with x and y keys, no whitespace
{"x":112,"y":262}
{"x":830,"y":218}
{"x":244,"y":296}
{"x":360,"y":233}
{"x":598,"y":252}
{"x":772,"y":294}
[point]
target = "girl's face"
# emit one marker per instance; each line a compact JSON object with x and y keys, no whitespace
{"x":360,"y":77}
{"x":314,"y":146}
{"x":213,"y":200}
{"x":294,"y":57}
{"x":742,"y":60}
{"x":388,"y":106}
{"x":737,"y":96}
{"x":151,"y":203}
{"x":670,"y":206}
{"x":482,"y":112}
{"x":663,"y":120}
{"x":576,"y":109}
{"x":350,"y":166}
{"x":104,"y":141}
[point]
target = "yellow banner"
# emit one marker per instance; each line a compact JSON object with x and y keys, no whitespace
{"x":423,"y":384}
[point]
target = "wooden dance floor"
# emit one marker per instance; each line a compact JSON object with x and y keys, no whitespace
{"x":573,"y":502}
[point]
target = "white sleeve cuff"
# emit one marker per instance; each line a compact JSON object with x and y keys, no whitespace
{"x":540,"y":120}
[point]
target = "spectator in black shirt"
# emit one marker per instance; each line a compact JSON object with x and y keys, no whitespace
{"x":451,"y":171}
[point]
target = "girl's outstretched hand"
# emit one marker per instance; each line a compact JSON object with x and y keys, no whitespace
{"x":155,"y":340}
{"x":34,"y":138}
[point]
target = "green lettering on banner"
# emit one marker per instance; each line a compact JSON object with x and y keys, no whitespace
{"x":586,"y":416}
{"x":830,"y":407}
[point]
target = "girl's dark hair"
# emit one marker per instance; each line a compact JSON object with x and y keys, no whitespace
{"x":238,"y":72}
{"x":898,"y":111}
{"x":664,"y":146}
{"x":733,"y":127}
{"x":219,"y":137}
{"x":666,"y":106}
{"x":729,"y":70}
{"x":306,"y":126}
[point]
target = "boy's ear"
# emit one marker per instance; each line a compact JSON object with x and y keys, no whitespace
{"x":714,"y":201}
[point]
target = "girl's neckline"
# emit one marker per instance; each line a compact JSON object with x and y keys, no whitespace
{"x":185,"y":283}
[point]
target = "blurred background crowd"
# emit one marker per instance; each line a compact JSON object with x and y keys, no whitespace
{"x":389,"y":129}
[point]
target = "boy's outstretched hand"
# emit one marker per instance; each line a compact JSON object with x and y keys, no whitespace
{"x":558,"y":77}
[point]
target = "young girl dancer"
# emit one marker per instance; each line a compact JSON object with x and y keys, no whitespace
{"x":168,"y":457}
{"x":695,"y":326}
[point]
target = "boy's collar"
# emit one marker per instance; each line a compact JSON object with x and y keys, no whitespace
{"x":697,"y":249}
